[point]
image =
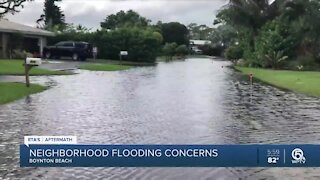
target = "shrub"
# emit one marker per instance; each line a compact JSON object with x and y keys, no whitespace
{"x":182,"y":50}
{"x":276,"y":59}
{"x":141,"y":44}
{"x":169,"y":49}
{"x":234,"y":53}
{"x":274,"y":40}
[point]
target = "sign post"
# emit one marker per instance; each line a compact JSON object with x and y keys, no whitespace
{"x":95,"y":52}
{"x":123,"y":53}
{"x":251,"y":84}
{"x":29,"y":63}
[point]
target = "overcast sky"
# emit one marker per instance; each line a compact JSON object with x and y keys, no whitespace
{"x":91,"y":12}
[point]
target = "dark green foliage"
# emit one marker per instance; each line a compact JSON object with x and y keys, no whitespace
{"x":169,"y":49}
{"x":124,"y":19}
{"x":304,"y":16}
{"x":248,"y":14}
{"x":141,"y":44}
{"x":175,"y":32}
{"x":275,"y":41}
{"x":274,"y":35}
{"x":123,"y":31}
{"x":234,"y":53}
{"x":53,"y":17}
{"x":182,"y":50}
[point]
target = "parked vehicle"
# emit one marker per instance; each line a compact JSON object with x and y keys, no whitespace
{"x":75,"y":50}
{"x":196,"y":50}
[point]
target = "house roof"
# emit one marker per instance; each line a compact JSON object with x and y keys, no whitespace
{"x":12,"y":27}
{"x":199,"y":42}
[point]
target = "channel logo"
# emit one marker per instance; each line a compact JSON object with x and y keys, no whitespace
{"x":298,"y":157}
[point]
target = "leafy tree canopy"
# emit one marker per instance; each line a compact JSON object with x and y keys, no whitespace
{"x":175,"y":32}
{"x":272,"y":33}
{"x":201,"y":32}
{"x":122,"y":18}
{"x":250,"y":14}
{"x":223,"y":36}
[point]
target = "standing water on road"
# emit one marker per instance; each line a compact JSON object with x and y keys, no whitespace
{"x":196,"y":101}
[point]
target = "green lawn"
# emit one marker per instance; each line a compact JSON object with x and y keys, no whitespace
{"x":15,"y":67}
{"x":306,"y":82}
{"x":13,"y":91}
{"x":104,"y":67}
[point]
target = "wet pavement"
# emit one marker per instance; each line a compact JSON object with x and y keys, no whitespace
{"x":58,"y":65}
{"x":197,"y":101}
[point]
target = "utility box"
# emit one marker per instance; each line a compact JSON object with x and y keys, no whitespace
{"x":33,"y":61}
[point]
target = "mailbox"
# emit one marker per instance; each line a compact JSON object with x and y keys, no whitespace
{"x":124,"y":53}
{"x":33,"y":61}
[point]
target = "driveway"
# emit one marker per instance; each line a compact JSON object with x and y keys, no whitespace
{"x":58,"y":65}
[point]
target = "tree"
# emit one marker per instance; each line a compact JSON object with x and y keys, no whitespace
{"x":53,"y":17}
{"x":201,"y":32}
{"x":10,"y":6}
{"x":129,"y":18}
{"x":304,"y":17}
{"x":175,"y":32}
{"x":272,"y":34}
{"x":194,"y":31}
{"x":223,"y":36}
{"x":249,"y":15}
{"x":275,"y":39}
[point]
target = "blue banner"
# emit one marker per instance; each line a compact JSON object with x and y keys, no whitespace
{"x":170,"y":156}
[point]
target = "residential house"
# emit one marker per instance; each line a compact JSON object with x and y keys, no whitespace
{"x":18,"y":36}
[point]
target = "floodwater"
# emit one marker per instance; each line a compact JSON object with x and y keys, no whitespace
{"x":197,"y":101}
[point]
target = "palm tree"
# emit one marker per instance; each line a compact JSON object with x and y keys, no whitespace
{"x":248,"y":14}
{"x":304,"y":16}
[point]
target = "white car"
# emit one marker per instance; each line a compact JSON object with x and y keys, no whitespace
{"x":196,"y":50}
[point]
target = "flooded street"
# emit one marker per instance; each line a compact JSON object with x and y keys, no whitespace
{"x":197,"y":101}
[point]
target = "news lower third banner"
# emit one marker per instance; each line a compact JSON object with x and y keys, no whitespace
{"x":64,"y":151}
